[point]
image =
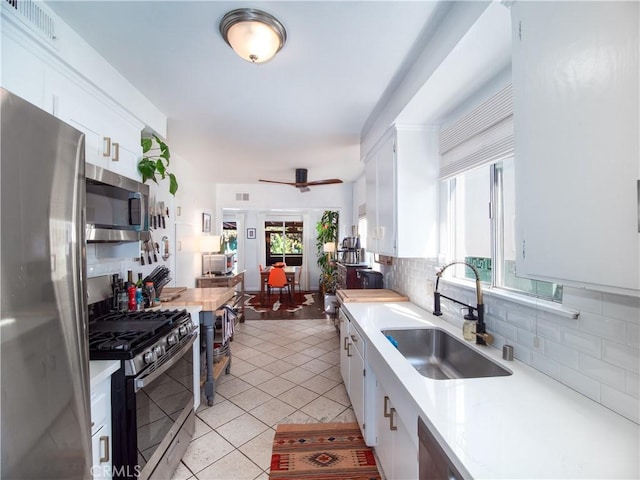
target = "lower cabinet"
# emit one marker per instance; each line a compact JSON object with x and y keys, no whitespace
{"x":395,"y":445}
{"x":101,"y":430}
{"x":353,"y":369}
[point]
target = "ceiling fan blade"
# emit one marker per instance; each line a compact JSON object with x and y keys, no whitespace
{"x":275,"y":181}
{"x":328,"y":181}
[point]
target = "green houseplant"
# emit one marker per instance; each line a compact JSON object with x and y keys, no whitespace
{"x":327,"y":232}
{"x":155,"y":161}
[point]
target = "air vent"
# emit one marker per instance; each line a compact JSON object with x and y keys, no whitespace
{"x":35,"y":17}
{"x":242,"y":197}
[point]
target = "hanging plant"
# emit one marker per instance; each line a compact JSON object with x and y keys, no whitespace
{"x":327,"y":232}
{"x":155,"y":161}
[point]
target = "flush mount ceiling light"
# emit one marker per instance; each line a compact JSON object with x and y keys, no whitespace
{"x":253,"y":34}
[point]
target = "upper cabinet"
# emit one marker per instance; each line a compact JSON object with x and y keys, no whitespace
{"x":575,"y":83}
{"x":401,"y":191}
{"x":44,"y":72}
{"x":112,"y":137}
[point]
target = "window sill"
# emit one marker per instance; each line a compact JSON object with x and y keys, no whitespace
{"x":543,"y":305}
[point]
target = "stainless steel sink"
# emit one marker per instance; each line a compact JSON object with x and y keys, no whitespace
{"x":436,"y":354}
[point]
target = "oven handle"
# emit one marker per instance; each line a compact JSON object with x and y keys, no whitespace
{"x":144,"y":380}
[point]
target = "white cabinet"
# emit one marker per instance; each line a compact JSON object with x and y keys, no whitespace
{"x":354,"y":371}
{"x":101,"y":429}
{"x":576,"y":114}
{"x":395,"y":445}
{"x":37,"y":75}
{"x":112,"y":137}
{"x":401,"y":190}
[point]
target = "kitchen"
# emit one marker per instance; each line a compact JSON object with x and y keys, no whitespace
{"x":597,"y":355}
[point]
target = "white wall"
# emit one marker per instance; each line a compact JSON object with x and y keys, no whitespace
{"x":265,"y":200}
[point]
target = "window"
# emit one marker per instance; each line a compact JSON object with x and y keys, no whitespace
{"x":283,"y":242}
{"x":478,"y":219}
{"x":230,"y":236}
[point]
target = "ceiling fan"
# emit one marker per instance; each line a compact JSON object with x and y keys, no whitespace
{"x":301,"y":181}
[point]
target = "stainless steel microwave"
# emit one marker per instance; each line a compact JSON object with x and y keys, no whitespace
{"x":116,"y":207}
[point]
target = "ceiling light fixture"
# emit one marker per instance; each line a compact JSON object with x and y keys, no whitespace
{"x":253,"y":34}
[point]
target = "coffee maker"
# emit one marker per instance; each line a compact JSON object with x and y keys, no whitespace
{"x":350,"y":251}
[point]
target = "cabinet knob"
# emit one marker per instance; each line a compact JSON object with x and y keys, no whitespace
{"x":386,"y":407}
{"x":392,"y":414}
{"x":106,"y":151}
{"x":116,"y":152}
{"x":105,"y":441}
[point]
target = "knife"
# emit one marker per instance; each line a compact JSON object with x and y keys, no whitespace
{"x":146,"y":247}
{"x":162,"y":214}
{"x":152,"y":218}
{"x":153,"y":249}
{"x":158,"y":216}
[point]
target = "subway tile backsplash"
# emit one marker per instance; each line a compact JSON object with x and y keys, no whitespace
{"x":597,"y":354}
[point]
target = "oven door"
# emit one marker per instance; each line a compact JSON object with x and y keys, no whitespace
{"x":165,"y":419}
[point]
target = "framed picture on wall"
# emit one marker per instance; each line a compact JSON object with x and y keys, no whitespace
{"x":251,"y":233}
{"x":206,"y":223}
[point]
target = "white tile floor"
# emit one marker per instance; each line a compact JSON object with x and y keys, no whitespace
{"x":283,"y":371}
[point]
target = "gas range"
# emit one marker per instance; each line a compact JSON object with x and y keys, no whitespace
{"x":142,"y":340}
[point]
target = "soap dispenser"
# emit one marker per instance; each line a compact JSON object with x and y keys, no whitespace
{"x":469,"y":326}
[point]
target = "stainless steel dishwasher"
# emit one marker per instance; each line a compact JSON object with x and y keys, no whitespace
{"x":434,"y":464}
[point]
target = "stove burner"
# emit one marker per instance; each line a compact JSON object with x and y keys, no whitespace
{"x":131,"y":331}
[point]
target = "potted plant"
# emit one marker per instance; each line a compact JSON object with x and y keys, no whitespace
{"x":155,"y":161}
{"x":327,"y":239}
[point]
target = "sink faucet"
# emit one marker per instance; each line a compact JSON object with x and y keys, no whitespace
{"x":482,"y":337}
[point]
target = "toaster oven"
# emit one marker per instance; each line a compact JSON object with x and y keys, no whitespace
{"x":218,"y":263}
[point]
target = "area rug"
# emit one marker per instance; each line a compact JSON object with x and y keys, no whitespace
{"x":317,"y":451}
{"x":306,"y":306}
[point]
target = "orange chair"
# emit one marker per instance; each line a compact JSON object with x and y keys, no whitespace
{"x":278,"y":279}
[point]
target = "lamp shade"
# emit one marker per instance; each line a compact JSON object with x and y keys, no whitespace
{"x":210,"y":243}
{"x":329,"y":247}
{"x":253,"y":34}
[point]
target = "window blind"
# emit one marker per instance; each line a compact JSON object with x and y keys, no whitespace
{"x":482,"y":136}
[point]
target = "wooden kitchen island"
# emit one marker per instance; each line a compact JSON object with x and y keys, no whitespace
{"x":234,"y":279}
{"x":211,"y":300}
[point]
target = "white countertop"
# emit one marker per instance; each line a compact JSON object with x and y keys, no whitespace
{"x":100,"y":370}
{"x":525,"y":425}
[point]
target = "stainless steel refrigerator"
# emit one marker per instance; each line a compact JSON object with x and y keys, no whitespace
{"x":44,"y":409}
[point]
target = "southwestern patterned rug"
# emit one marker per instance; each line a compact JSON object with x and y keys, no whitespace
{"x":321,"y":451}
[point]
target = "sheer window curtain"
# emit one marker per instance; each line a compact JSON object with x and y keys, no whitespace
{"x":262,"y":252}
{"x":308,"y":249}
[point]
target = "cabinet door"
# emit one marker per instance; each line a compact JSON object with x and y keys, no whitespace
{"x":576,"y":114}
{"x":22,"y":71}
{"x":384,"y":437}
{"x":386,"y":197}
{"x":405,"y":453}
{"x":345,"y":347}
{"x":101,"y":453}
{"x":395,"y":447}
{"x":357,"y":375}
{"x":371,"y":197}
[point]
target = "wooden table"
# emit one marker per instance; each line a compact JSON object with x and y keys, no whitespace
{"x":290,"y":272}
{"x":230,"y":280}
{"x":210,"y":299}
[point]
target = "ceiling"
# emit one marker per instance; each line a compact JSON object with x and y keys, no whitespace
{"x":237,"y":121}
